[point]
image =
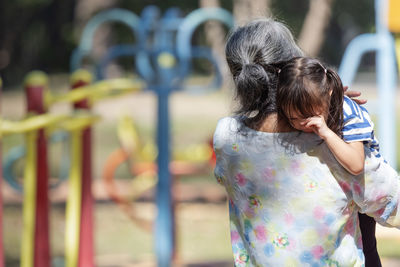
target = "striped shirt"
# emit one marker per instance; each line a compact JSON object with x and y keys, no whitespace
{"x":358,"y":126}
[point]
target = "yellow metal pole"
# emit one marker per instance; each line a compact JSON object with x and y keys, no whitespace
{"x":393,"y":15}
{"x":73,"y":209}
{"x":28,"y":231}
{"x":397,"y":45}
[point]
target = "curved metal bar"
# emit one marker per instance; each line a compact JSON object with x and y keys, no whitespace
{"x":169,"y":23}
{"x":13,"y":156}
{"x":359,"y":46}
{"x":19,"y":152}
{"x":148,"y":23}
{"x":115,"y":52}
{"x":172,"y":12}
{"x":383,"y":43}
{"x":149,"y":18}
{"x":187,"y":28}
{"x":206,"y":53}
{"x":118,"y":15}
{"x":76,"y":59}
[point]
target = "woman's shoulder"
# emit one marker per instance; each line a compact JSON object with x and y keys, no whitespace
{"x":226,"y":126}
{"x":222,"y":133}
{"x":230,"y":124}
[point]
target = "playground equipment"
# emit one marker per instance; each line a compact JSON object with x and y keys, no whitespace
{"x":17,"y":153}
{"x":35,"y":249}
{"x":31,"y":126}
{"x":163,"y":55}
{"x":394,"y":26}
{"x":382,"y":42}
{"x":194,"y":159}
{"x":164,"y":65}
{"x":1,"y":187}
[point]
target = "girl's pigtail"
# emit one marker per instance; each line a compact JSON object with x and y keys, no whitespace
{"x":335,"y":118}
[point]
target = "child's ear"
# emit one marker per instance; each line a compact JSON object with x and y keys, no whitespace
{"x":330,"y":92}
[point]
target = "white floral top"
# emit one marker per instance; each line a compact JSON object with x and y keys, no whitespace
{"x":291,"y":203}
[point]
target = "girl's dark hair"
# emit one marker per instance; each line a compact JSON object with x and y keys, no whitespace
{"x":305,"y":85}
{"x":250,"y":52}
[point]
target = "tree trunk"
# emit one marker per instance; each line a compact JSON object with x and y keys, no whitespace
{"x":247,"y":10}
{"x":84,"y":11}
{"x":215,"y":35}
{"x":243,"y":11}
{"x":312,"y":34}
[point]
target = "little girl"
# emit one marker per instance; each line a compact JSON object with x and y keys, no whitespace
{"x":310,"y":97}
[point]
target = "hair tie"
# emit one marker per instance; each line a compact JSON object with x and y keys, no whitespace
{"x":325,"y":70}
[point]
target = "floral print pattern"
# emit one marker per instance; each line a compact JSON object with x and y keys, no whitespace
{"x":291,"y":203}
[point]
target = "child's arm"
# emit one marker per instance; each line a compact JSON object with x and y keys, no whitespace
{"x":349,"y":155}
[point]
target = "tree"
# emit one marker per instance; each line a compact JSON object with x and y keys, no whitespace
{"x":312,"y":34}
{"x":215,"y":33}
{"x":84,"y":11}
{"x":246,"y":10}
{"x":243,"y":11}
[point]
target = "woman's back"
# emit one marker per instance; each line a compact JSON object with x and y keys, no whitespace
{"x":286,"y":206}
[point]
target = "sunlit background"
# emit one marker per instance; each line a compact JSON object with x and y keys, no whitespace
{"x":43,"y":35}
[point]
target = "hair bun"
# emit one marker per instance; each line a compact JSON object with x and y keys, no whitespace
{"x":254,"y":85}
{"x":253,"y":76}
{"x":253,"y":71}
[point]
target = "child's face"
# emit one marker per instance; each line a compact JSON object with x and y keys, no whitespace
{"x":298,"y":121}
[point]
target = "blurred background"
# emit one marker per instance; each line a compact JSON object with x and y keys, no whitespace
{"x":42,"y":35}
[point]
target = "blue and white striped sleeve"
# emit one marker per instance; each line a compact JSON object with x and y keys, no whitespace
{"x":358,"y":125}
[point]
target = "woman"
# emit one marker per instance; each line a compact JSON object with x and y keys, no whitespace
{"x":291,"y":203}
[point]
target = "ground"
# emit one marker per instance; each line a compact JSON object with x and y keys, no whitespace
{"x":202,"y":220}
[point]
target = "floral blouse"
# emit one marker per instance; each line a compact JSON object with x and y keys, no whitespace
{"x":292,"y":204}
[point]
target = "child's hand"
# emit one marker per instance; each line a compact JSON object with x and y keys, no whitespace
{"x":318,"y":125}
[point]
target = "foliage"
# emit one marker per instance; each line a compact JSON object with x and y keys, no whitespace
{"x":35,"y":35}
{"x":39,"y":34}
{"x":346,"y":23}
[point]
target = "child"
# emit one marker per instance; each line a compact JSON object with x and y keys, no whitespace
{"x":310,"y":97}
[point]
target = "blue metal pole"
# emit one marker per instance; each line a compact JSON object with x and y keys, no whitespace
{"x":359,"y":46}
{"x":163,"y":224}
{"x":383,"y":43}
{"x":386,"y":81}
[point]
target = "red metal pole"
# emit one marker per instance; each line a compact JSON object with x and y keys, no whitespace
{"x":35,"y":85}
{"x":86,"y":251}
{"x":1,"y":196}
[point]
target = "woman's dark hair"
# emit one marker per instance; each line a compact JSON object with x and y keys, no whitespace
{"x":305,"y":85}
{"x":251,"y":51}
